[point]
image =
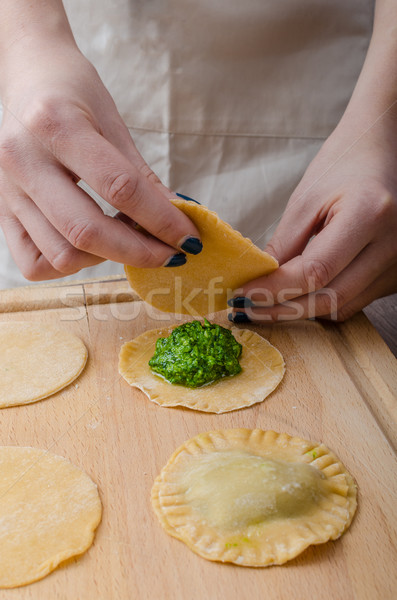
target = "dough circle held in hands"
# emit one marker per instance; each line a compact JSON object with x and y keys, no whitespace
{"x":37,"y":360}
{"x":252,"y":497}
{"x":262,"y":370}
{"x":201,"y":286}
{"x":49,"y":510}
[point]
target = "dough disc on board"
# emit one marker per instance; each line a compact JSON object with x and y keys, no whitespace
{"x":262,"y":370}
{"x":252,"y":497}
{"x":49,"y":510}
{"x":201,"y":286}
{"x":36,"y":361}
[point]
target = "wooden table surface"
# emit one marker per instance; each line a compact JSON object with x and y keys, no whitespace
{"x":340,"y":388}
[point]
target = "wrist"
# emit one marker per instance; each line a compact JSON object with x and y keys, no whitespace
{"x":375,"y":93}
{"x":29,"y":33}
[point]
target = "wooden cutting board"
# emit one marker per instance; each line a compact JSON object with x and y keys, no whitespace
{"x":340,"y":388}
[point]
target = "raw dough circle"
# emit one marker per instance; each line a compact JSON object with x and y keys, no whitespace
{"x":203,"y":284}
{"x":262,"y":370}
{"x":36,"y":361}
{"x":49,"y":510}
{"x":252,"y":497}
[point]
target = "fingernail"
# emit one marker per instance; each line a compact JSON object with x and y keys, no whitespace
{"x":239,"y":317}
{"x":240,"y":302}
{"x":192,"y":245}
{"x":186,"y":198}
{"x":176,"y":261}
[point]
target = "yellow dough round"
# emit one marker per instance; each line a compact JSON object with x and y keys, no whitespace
{"x":252,"y":497}
{"x":36,"y":361}
{"x":49,"y":510}
{"x":201,"y":286}
{"x":262,"y":370}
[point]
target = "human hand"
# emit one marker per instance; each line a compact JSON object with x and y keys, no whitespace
{"x":60,"y":125}
{"x":347,"y":200}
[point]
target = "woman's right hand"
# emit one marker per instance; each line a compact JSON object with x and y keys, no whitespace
{"x":60,"y":125}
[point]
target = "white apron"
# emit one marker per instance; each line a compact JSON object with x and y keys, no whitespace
{"x":227,"y":101}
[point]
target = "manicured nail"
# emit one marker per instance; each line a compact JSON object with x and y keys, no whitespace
{"x":239,"y":317}
{"x":176,"y":261}
{"x":187,"y":198}
{"x":240,"y":302}
{"x":192,"y":245}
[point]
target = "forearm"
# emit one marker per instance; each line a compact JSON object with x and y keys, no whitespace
{"x":28,"y":30}
{"x":376,"y":88}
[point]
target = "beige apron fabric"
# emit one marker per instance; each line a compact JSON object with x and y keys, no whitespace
{"x":228,"y":101}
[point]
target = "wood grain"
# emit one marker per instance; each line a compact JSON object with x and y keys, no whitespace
{"x":339,"y":389}
{"x":383,"y":315}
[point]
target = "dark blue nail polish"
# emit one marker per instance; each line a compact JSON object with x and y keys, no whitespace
{"x":240,"y":302}
{"x":187,"y":198}
{"x":192,"y":245}
{"x":177,"y":260}
{"x":239,"y":317}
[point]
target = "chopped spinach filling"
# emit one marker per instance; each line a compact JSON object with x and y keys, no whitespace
{"x":196,"y":354}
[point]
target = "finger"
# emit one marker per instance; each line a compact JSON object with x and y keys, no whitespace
{"x":80,"y":220}
{"x":61,"y":255}
{"x":327,"y":255}
{"x":361,"y":275}
{"x":384,"y":285}
{"x":121,"y":138}
{"x":356,"y":282}
{"x":28,"y":258}
{"x":94,"y":159}
{"x":298,"y":224}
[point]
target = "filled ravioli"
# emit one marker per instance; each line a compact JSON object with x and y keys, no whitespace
{"x":253,"y":497}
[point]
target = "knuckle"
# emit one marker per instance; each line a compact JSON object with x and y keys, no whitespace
{"x":31,"y":270}
{"x":150,"y":175}
{"x":145,"y":257}
{"x":345,"y":313}
{"x":384,"y":207}
{"x":65,"y":261}
{"x":166,"y":229}
{"x":7,"y":214}
{"x":19,"y":211}
{"x":9,"y":150}
{"x":328,"y":302}
{"x":29,"y":263}
{"x":6,"y":219}
{"x":272,"y":248}
{"x":145,"y":261}
{"x":315,"y":274}
{"x":45,"y":118}
{"x":82,"y":235}
{"x":40,"y":113}
{"x":121,"y":190}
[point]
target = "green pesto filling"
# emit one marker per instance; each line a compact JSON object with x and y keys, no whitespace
{"x":196,"y":354}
